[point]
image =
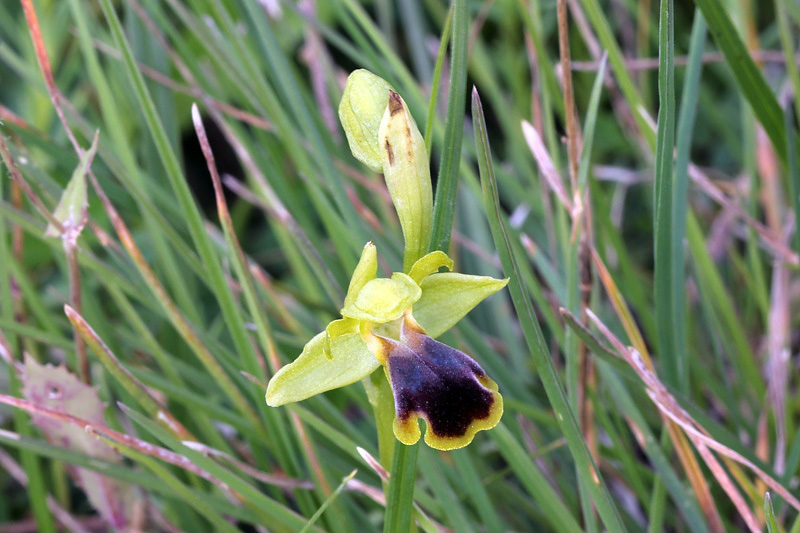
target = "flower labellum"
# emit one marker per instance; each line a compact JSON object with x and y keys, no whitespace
{"x":433,"y":381}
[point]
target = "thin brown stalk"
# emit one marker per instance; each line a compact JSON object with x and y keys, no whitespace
{"x":6,"y":115}
{"x":685,"y":455}
{"x":264,"y":328}
{"x":581,"y":222}
{"x":225,"y":219}
{"x":313,"y":460}
{"x":277,"y":480}
{"x":569,"y":95}
{"x":729,"y":487}
{"x":47,"y":71}
{"x":84,"y":371}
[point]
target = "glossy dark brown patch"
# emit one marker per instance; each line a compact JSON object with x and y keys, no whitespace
{"x":438,"y":382}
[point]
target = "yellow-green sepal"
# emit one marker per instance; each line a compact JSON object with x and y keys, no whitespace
{"x":382,"y":300}
{"x":408,"y":177}
{"x":361,"y":110}
{"x":430,"y":264}
{"x":313,"y":373}
{"x":449,"y":296}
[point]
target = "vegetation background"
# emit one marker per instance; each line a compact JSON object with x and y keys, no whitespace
{"x":632,"y":166}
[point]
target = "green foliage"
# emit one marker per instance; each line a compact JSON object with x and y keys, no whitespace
{"x":191,"y":288}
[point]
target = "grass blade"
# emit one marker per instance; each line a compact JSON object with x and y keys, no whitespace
{"x":748,"y":76}
{"x":672,"y":361}
{"x":533,"y":334}
{"x":400,"y":500}
{"x":447,"y":183}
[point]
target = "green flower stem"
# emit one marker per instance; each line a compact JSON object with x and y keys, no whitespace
{"x":400,"y":460}
{"x":400,"y":500}
{"x":380,"y":396}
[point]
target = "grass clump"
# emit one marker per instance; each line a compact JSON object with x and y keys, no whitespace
{"x":181,"y":213}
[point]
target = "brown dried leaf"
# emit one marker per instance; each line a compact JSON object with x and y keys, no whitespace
{"x":54,"y":387}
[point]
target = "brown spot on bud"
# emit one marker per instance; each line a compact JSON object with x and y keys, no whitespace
{"x":395,"y":103}
{"x":390,"y":153}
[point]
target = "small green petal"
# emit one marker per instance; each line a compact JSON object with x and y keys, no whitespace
{"x":383,"y":300}
{"x":336,"y":329}
{"x":366,"y":270}
{"x":361,"y":110}
{"x":430,"y":264}
{"x":448,"y":297}
{"x":312,"y":373}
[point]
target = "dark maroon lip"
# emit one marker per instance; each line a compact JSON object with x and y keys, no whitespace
{"x":437,"y":382}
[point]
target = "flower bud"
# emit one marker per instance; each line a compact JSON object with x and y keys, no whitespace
{"x":408,"y":177}
{"x":361,"y":110}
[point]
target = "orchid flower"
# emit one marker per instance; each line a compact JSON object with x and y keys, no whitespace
{"x":393,"y":322}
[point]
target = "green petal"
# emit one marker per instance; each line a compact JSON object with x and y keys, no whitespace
{"x":448,"y":297}
{"x":366,"y":270}
{"x":383,"y":300}
{"x":312,"y":373}
{"x":408,"y":177}
{"x":361,"y":110}
{"x":430,"y":264}
{"x":335,"y":329}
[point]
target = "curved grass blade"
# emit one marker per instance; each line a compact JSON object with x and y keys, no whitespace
{"x":755,"y":89}
{"x":533,"y":334}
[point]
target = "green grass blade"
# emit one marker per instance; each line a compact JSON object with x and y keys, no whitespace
{"x":400,"y":500}
{"x":473,"y":485}
{"x":533,"y":334}
{"x":534,"y":481}
{"x":189,"y":209}
{"x":680,"y":190}
{"x":749,"y":78}
{"x":672,"y":362}
{"x":447,"y":184}
{"x":769,"y":515}
{"x":437,"y":77}
{"x":327,"y":502}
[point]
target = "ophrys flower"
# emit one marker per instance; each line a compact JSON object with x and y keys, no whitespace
{"x":393,"y":321}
